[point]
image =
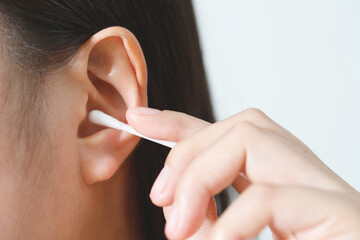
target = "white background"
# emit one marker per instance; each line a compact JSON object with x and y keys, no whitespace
{"x":298,"y":61}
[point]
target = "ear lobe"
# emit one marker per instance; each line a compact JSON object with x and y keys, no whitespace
{"x":114,"y":69}
{"x":102,"y":154}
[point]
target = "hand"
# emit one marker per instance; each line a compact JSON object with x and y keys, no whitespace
{"x":282,"y":183}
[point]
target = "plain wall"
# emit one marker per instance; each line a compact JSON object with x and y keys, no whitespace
{"x":298,"y":61}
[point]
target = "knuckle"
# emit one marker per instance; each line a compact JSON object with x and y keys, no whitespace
{"x":177,"y":126}
{"x":180,"y":130}
{"x":171,"y":159}
{"x":263,"y":191}
{"x":217,"y":232}
{"x":186,"y":187}
{"x":254,"y":113}
{"x":192,"y":183}
{"x":245,"y":128}
{"x":186,"y":183}
{"x":181,"y":125}
{"x":167,"y":112}
{"x":180,"y":156}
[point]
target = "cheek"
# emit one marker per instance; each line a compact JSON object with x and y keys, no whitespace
{"x":70,"y":198}
{"x":67,"y":109}
{"x":70,"y":193}
{"x":66,"y":153}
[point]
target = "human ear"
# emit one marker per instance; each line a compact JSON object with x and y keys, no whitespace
{"x":111,"y":69}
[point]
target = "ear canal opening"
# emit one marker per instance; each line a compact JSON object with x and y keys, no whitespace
{"x":105,"y":98}
{"x":87,"y":128}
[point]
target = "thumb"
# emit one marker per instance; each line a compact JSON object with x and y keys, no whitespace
{"x":163,"y":125}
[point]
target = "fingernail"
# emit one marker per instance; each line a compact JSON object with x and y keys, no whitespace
{"x":161,"y":182}
{"x":145,"y":111}
{"x":172,"y":222}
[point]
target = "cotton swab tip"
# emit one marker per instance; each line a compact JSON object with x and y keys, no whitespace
{"x":100,"y":118}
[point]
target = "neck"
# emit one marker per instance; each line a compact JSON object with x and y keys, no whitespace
{"x":106,"y":211}
{"x":116,"y":216}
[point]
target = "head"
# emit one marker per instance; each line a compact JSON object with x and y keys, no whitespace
{"x":61,"y":176}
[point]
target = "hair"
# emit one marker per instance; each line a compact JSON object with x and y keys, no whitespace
{"x":43,"y":35}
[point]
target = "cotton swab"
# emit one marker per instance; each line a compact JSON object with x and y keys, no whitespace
{"x":100,"y":118}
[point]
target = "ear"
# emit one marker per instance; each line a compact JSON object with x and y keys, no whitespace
{"x":111,"y":68}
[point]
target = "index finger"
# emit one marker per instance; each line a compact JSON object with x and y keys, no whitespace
{"x":164,"y":125}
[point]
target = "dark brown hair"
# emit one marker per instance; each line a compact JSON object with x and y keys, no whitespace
{"x":44,"y":34}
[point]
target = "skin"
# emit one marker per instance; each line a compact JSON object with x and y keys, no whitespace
{"x":78,"y":185}
{"x":283,"y":184}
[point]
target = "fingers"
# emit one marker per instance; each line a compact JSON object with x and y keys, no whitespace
{"x":203,"y":232}
{"x":241,"y":182}
{"x":219,"y":166}
{"x":176,"y":126}
{"x":164,"y":125}
{"x":200,"y":139}
{"x":215,"y":169}
{"x":287,"y":210}
{"x":208,"y":158}
{"x":270,"y":158}
{"x":211,"y":216}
